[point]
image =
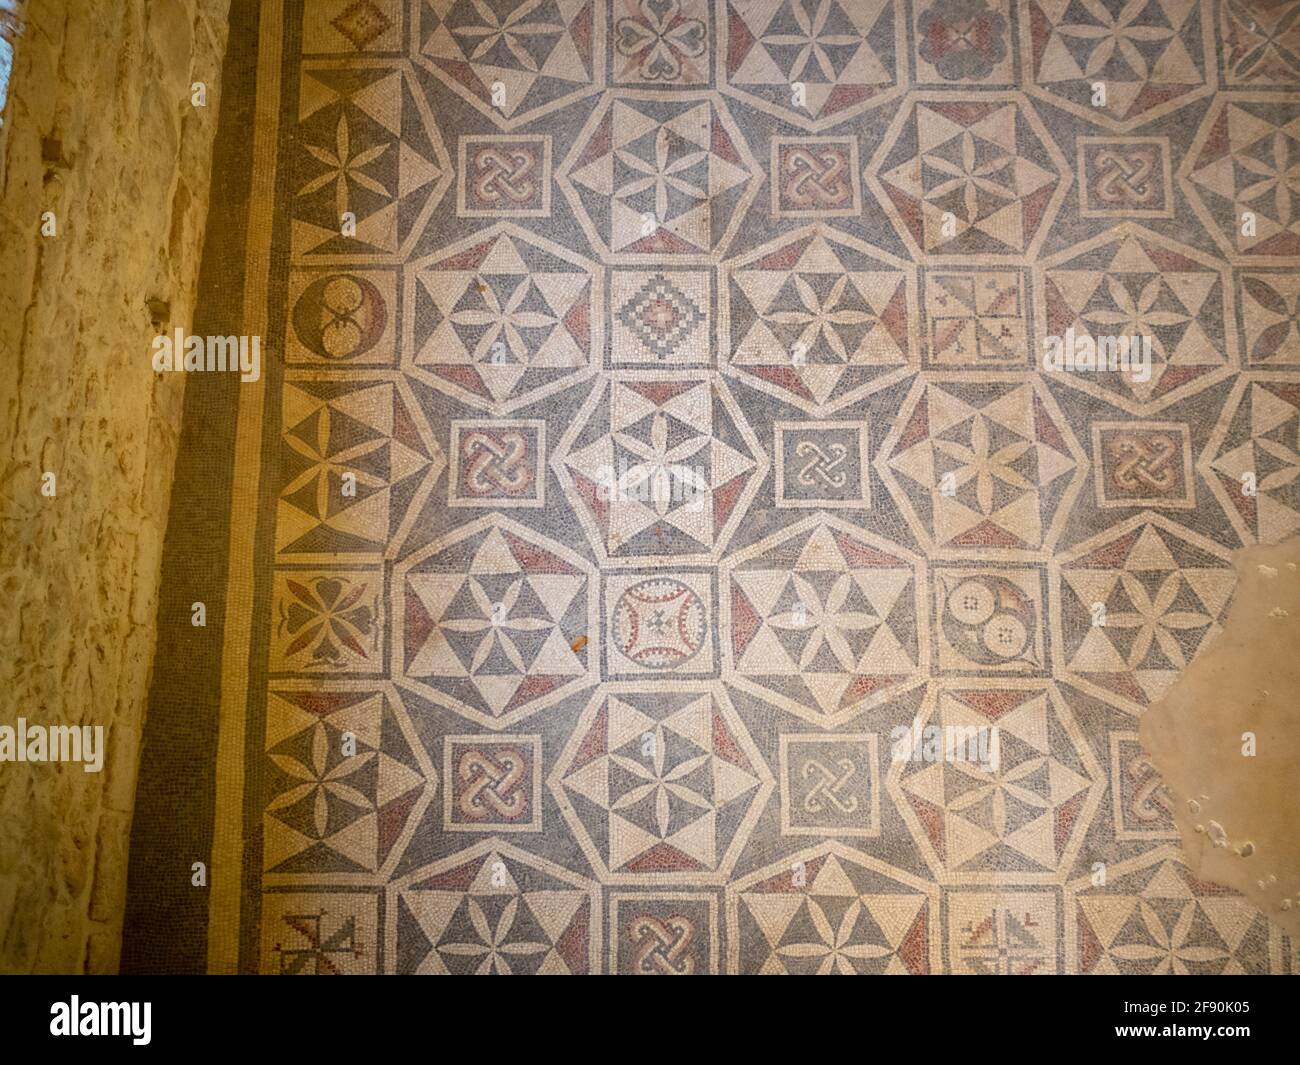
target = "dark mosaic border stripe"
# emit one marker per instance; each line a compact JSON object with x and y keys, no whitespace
{"x":263,"y":569}
{"x":165,"y":928}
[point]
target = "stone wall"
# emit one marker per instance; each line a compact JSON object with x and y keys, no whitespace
{"x":100,"y":130}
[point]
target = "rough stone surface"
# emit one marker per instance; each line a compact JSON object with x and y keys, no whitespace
{"x":1226,"y":739}
{"x":101,"y":131}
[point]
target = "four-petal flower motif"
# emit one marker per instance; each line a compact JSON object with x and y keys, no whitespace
{"x":661,"y":43}
{"x":326,"y":612}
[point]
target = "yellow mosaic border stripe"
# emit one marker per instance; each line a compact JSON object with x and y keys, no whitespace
{"x":226,"y":866}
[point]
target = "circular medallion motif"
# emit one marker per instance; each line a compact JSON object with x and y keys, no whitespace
{"x":340,"y":316}
{"x":990,"y":620}
{"x":659,"y":623}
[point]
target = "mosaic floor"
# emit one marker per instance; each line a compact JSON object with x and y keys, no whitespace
{"x":656,"y":429}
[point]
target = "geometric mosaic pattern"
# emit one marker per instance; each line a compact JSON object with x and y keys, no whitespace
{"x":1154,"y":917}
{"x":1134,"y":282}
{"x":366,"y":146}
{"x":1240,"y":176}
{"x":659,"y":466}
{"x":1134,"y":604}
{"x":989,"y":465}
{"x":823,"y":620}
{"x":1027,"y":815}
{"x":831,"y":910}
{"x":1154,"y":56}
{"x":492,"y":909}
{"x":489,"y":619}
{"x":502,"y":318}
{"x":536,"y":57}
{"x":361,"y":459}
{"x":660,"y":480}
{"x":818,"y":318}
{"x":1253,"y":461}
{"x":661,"y":788}
{"x":844,"y":53}
{"x":338,"y":807}
{"x":660,"y":178}
{"x":970,"y":176}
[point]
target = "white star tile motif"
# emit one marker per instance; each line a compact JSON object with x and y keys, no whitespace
{"x":813,"y":62}
{"x":1241,"y":177}
{"x":329,"y":812}
{"x":989,"y":467}
{"x":1252,"y":463}
{"x":654,"y":179}
{"x":660,"y":468}
{"x":502,"y":318}
{"x":976,"y":177}
{"x":514,"y":60}
{"x":661,"y":785}
{"x":1131,"y":282}
{"x":367,"y":147}
{"x":832,"y":910}
{"x":818,"y":318}
{"x":488,"y":619}
{"x":1161,"y":588}
{"x":1026,"y":809}
{"x":492,"y":909}
{"x":1153,"y":56}
{"x":823,"y":619}
{"x":1153,"y":917}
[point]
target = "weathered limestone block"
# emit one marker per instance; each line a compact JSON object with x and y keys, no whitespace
{"x":1226,"y":739}
{"x":101,"y":131}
